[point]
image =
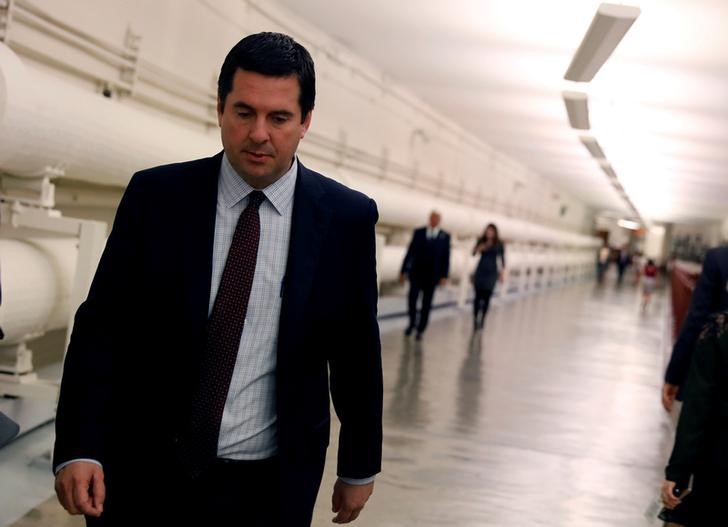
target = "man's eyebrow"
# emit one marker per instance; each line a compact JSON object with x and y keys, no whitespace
{"x":243,"y":106}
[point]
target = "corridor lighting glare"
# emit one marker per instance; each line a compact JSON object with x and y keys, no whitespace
{"x":629,"y":224}
{"x":611,"y":22}
{"x":577,"y":109}
{"x":592,"y":145}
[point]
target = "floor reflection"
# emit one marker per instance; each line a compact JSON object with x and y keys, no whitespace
{"x":470,"y":385}
{"x":549,"y":416}
{"x":406,"y":407}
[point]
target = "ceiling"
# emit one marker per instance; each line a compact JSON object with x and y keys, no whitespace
{"x":658,"y":107}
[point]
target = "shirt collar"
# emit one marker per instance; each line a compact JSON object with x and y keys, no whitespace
{"x":234,"y":188}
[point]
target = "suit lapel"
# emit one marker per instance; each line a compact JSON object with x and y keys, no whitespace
{"x":199,"y":237}
{"x":309,"y":225}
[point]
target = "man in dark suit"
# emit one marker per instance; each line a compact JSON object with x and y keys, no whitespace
{"x":426,"y":264}
{"x":231,"y":292}
{"x":710,"y":296}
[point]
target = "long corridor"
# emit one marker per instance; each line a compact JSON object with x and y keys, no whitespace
{"x":551,"y":416}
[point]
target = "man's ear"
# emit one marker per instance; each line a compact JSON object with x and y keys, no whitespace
{"x":306,"y":123}
{"x":220,"y":108}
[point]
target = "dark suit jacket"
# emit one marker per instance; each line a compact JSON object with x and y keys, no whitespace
{"x":135,"y":348}
{"x":710,"y":296}
{"x":701,"y":441}
{"x":427,"y":261}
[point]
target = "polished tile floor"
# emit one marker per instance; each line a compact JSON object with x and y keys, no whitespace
{"x":549,"y":416}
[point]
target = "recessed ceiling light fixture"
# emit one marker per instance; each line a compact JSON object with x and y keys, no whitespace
{"x":629,"y":224}
{"x":608,"y":170}
{"x":609,"y":25}
{"x":577,"y":108}
{"x":592,"y":145}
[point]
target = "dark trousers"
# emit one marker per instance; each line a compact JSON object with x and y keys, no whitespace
{"x":428,"y":291}
{"x":481,"y":302}
{"x":230,"y":493}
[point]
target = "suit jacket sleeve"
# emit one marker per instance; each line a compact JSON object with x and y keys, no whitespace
{"x":356,"y":373}
{"x":84,"y":406}
{"x":407,"y":263}
{"x":706,"y":300}
{"x":702,"y":398}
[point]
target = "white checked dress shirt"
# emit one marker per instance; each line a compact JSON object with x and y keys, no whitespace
{"x":248,"y":426}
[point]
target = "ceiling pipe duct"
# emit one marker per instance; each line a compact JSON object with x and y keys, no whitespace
{"x":592,"y":145}
{"x":609,"y":25}
{"x":577,"y":108}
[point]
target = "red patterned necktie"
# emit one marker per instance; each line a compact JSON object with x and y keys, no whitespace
{"x":198,"y":446}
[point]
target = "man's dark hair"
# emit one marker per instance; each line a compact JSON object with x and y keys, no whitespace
{"x":275,"y":55}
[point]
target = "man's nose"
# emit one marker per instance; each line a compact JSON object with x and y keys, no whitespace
{"x":259,"y":131}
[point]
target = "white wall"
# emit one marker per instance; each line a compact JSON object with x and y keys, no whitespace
{"x":362,"y":122}
{"x":654,"y":247}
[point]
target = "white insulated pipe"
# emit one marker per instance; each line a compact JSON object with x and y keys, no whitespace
{"x":392,"y":256}
{"x":411,"y":207}
{"x":46,"y":122}
{"x":36,"y":277}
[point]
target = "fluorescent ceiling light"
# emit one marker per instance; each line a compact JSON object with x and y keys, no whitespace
{"x":592,"y":145}
{"x":611,"y":22}
{"x":577,"y":108}
{"x":606,"y":167}
{"x":629,"y":224}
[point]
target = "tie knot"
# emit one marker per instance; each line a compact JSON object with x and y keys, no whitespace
{"x":255,"y":199}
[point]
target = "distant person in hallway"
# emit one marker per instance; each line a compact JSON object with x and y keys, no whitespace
{"x":649,"y":282}
{"x":701,"y":442}
{"x":710,"y":296}
{"x":490,"y":270}
{"x":235,"y":300}
{"x":602,"y":262}
{"x":623,"y":261}
{"x":426,"y":265}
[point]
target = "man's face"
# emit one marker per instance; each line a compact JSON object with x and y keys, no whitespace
{"x":434,"y":220}
{"x":261,"y":126}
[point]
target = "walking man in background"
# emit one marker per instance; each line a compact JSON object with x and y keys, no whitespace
{"x":234,"y":295}
{"x":427,"y":265}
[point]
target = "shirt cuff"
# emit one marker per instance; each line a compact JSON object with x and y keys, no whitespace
{"x":358,"y":481}
{"x":65,"y":464}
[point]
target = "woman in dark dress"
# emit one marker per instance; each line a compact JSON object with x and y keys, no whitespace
{"x":490,"y":249}
{"x":701,"y":442}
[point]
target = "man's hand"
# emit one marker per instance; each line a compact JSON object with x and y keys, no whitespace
{"x":348,"y":500}
{"x":668,"y":498}
{"x":443,"y":282}
{"x":669,"y":393}
{"x":80,"y":488}
{"x":402,"y":278}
